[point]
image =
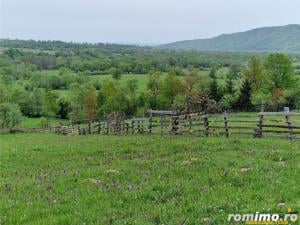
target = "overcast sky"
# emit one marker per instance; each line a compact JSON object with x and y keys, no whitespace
{"x":139,"y":21}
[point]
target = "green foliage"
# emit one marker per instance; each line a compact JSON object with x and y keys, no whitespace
{"x":77,"y":101}
{"x":50,"y":106}
{"x":255,"y":73}
{"x":229,"y":85}
{"x":116,"y":73}
{"x":154,"y":87}
{"x":292,"y":97}
{"x":280,"y":70}
{"x":64,"y":108}
{"x":214,"y":91}
{"x":35,"y":79}
{"x":234,"y":71}
{"x":179,"y":102}
{"x":132,"y":85}
{"x":228,"y":101}
{"x":115,"y":98}
{"x":10,"y":115}
{"x":170,"y":88}
{"x":263,"y":96}
{"x":90,"y":104}
{"x":244,"y":100}
{"x":34,"y":103}
{"x":43,"y":122}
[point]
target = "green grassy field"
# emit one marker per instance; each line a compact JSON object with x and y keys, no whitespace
{"x":141,"y":79}
{"x":51,"y":179}
{"x":36,"y":122}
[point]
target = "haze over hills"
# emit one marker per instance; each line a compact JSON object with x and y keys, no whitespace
{"x":280,"y":38}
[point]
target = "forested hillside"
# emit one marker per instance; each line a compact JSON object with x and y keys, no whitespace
{"x":284,"y":38}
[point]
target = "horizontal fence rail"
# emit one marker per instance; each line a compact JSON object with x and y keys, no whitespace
{"x":264,"y":124}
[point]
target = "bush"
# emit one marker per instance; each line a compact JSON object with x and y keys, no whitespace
{"x":43,"y":122}
{"x":116,"y":73}
{"x":227,"y":101}
{"x":10,"y":115}
{"x":64,"y":108}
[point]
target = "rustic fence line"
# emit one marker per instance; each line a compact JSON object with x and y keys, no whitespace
{"x":265,"y":124}
{"x":66,"y":130}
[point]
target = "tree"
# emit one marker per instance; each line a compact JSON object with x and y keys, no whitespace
{"x":90,"y":105}
{"x":64,"y":108}
{"x":214,"y":85}
{"x":171,"y":87}
{"x":77,"y":101}
{"x":116,"y":74}
{"x":255,"y":73}
{"x":114,"y":98}
{"x":234,"y":71}
{"x":5,"y":94}
{"x":244,"y":100}
{"x":229,"y":85}
{"x":280,"y":70}
{"x":154,"y":88}
{"x":50,"y":103}
{"x":132,"y":85}
{"x":190,"y":91}
{"x":36,"y":103}
{"x":10,"y":115}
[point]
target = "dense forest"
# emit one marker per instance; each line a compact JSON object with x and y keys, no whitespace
{"x":65,"y":80}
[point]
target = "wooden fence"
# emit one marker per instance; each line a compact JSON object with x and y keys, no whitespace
{"x":65,"y":130}
{"x":264,"y":124}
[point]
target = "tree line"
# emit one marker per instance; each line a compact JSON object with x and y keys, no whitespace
{"x":30,"y":90}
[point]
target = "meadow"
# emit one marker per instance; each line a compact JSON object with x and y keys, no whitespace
{"x":37,"y":122}
{"x":52,"y":179}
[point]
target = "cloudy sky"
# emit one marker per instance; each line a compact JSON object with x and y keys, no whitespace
{"x":139,"y":21}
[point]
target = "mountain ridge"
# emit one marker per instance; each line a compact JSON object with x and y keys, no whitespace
{"x":279,"y":38}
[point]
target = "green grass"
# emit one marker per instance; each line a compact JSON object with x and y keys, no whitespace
{"x":142,"y":79}
{"x":64,"y":93}
{"x":36,"y":122}
{"x":51,"y":179}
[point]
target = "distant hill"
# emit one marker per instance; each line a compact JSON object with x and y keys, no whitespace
{"x":281,"y":38}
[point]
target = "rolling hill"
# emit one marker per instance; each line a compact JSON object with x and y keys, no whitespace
{"x":281,"y":38}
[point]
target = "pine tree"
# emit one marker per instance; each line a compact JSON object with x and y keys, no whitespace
{"x":229,"y":85}
{"x":244,"y":101}
{"x":214,"y":93}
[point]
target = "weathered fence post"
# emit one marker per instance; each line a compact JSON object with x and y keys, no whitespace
{"x":206,"y":125}
{"x":107,"y":126}
{"x":132,"y":126}
{"x":226,"y":124}
{"x":259,"y":131}
{"x":139,"y":126}
{"x":162,"y":124}
{"x":126,"y":128}
{"x":99,"y":127}
{"x":289,"y":122}
{"x":150,"y":123}
{"x":190,"y":124}
{"x":90,"y":127}
{"x":123,"y":127}
{"x":143,"y":126}
{"x":175,"y":125}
